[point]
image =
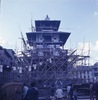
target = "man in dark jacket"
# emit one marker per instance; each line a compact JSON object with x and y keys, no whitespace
{"x":32,"y":93}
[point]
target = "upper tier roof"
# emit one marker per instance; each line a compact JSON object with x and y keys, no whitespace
{"x":43,"y":25}
{"x":47,"y":24}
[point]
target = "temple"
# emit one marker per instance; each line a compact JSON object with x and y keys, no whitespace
{"x":49,"y":59}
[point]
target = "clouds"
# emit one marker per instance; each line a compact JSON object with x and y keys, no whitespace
{"x":84,"y":46}
{"x":95,"y":13}
{"x":89,"y":48}
{"x":94,"y":53}
{"x":2,"y":41}
{"x":5,"y":43}
{"x":95,"y":48}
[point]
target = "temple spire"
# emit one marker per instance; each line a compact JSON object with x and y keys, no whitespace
{"x":47,"y":18}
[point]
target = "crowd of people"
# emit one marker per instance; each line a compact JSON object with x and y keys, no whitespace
{"x":60,"y":94}
{"x":56,"y":92}
{"x":30,"y":93}
{"x":72,"y":92}
{"x":19,"y":91}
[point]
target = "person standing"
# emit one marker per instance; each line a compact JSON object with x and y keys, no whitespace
{"x":96,"y":89}
{"x":91,"y":91}
{"x":68,"y":91}
{"x":75,"y":94}
{"x":32,"y":93}
{"x":71,"y":92}
{"x":52,"y":92}
{"x":25,"y":89}
{"x":59,"y":94}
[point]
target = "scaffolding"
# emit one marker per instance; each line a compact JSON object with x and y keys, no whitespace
{"x":47,"y":65}
{"x":45,"y":61}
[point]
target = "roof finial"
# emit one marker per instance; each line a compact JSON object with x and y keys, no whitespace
{"x":47,"y":18}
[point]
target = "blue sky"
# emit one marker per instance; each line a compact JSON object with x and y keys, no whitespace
{"x":80,"y":17}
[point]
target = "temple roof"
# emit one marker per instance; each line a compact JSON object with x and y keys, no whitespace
{"x":63,"y":36}
{"x":42,"y":25}
{"x":47,"y":24}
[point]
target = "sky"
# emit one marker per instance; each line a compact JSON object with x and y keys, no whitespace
{"x":80,"y":17}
